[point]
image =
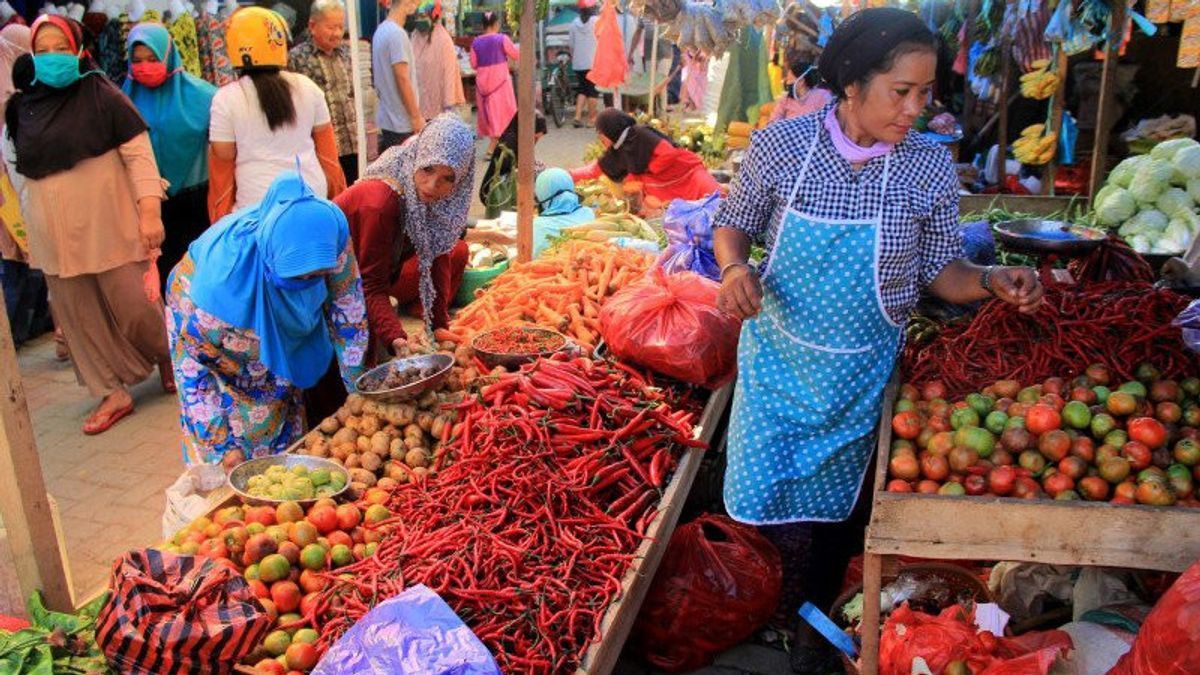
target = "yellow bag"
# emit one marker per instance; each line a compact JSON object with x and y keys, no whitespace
{"x":10,"y":213}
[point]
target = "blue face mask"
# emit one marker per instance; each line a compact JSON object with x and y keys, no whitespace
{"x":293,"y":283}
{"x":56,"y":70}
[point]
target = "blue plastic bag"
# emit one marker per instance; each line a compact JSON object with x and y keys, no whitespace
{"x":979,"y":246}
{"x":1067,"y":135}
{"x":414,"y":632}
{"x":689,"y":228}
{"x":1189,"y":321}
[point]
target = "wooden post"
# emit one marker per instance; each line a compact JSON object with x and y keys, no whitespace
{"x":360,"y":114}
{"x":653,"y":69}
{"x":525,"y":79}
{"x":24,"y":505}
{"x":1108,"y":74}
{"x":1002,"y":132}
{"x":968,"y":94}
{"x":872,"y":585}
{"x":1056,"y":114}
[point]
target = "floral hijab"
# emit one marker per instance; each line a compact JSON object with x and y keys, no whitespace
{"x":432,"y":228}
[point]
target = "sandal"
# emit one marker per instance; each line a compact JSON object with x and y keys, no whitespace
{"x":91,"y":426}
{"x":167,"y":377}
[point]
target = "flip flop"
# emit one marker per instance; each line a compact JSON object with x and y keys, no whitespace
{"x":168,"y":385}
{"x":92,"y":428}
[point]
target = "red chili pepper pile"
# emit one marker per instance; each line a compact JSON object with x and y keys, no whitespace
{"x":519,"y":340}
{"x":1112,"y":260}
{"x":1119,"y":324}
{"x":528,"y":534}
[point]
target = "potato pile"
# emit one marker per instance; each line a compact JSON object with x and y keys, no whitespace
{"x":384,"y":443}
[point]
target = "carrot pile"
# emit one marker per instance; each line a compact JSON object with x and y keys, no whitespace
{"x":563,"y":290}
{"x":557,"y":473}
{"x":1119,"y":324}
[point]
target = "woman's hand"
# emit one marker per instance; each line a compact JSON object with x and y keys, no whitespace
{"x":1018,"y":286}
{"x":150,"y":226}
{"x":409,"y":346}
{"x":741,"y":292}
{"x":231,"y":459}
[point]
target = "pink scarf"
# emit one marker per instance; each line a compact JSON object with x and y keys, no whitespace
{"x":848,"y":149}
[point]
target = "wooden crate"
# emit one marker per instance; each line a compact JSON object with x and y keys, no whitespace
{"x":1001,"y":528}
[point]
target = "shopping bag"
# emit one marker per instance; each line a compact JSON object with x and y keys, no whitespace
{"x":689,"y":229}
{"x":1169,"y":641}
{"x":718,"y":583}
{"x":10,"y":213}
{"x":671,"y":325}
{"x":178,"y":614}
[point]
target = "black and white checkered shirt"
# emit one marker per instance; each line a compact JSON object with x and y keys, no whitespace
{"x":920,"y":233}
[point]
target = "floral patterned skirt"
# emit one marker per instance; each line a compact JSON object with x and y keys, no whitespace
{"x":229,"y":399}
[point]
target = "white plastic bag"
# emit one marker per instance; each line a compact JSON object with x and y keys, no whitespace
{"x":187,"y":498}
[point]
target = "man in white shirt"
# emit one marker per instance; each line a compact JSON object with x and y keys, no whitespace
{"x":395,"y":72}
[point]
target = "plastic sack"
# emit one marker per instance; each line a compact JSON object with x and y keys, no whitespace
{"x":610,"y":67}
{"x":951,"y":636}
{"x":689,"y":228}
{"x":414,"y":632}
{"x":1068,"y":134}
{"x":671,"y":325}
{"x":178,"y":614}
{"x":1169,"y":641}
{"x":187,"y":497}
{"x":1189,"y":321}
{"x":979,"y":246}
{"x":718,"y":583}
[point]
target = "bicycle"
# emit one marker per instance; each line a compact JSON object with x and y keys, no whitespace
{"x":557,"y":93}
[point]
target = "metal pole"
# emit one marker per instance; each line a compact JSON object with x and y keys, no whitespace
{"x":653,"y":68}
{"x":526,"y":77}
{"x":360,"y":114}
{"x":1108,"y":76}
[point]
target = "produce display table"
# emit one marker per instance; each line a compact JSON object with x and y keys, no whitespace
{"x":998,"y":528}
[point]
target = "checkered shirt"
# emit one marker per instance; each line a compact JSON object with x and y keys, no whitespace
{"x":920,"y":233}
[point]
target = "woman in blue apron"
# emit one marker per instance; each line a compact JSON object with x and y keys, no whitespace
{"x":858,"y":214}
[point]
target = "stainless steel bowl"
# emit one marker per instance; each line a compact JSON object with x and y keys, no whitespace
{"x":368,"y":384}
{"x":239,"y":478}
{"x":516,"y":360}
{"x":1048,"y":237}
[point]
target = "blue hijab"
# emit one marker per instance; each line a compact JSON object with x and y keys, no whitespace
{"x":247,"y":274}
{"x":555,"y":193}
{"x":177,"y":111}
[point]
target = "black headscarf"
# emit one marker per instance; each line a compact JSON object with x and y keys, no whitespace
{"x":860,"y":44}
{"x":55,"y":129}
{"x":633,"y":144}
{"x":501,"y":162}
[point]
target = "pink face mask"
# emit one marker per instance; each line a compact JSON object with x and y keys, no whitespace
{"x":149,"y":73}
{"x":848,"y":149}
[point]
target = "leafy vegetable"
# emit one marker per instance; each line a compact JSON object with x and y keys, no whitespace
{"x":1122,"y":174}
{"x":1150,"y":180}
{"x":1166,"y":150}
{"x":1187,"y":161}
{"x":1117,"y":207}
{"x":1174,"y":201}
{"x":1146,"y":223}
{"x":55,"y":642}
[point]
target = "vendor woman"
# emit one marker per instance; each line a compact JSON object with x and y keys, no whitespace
{"x":647,"y":162}
{"x":859,"y":214}
{"x":407,"y":217}
{"x":261,"y":303}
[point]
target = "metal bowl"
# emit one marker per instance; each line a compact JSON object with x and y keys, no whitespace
{"x":367,"y":384}
{"x":241,"y":474}
{"x":1048,"y":237}
{"x":516,"y":360}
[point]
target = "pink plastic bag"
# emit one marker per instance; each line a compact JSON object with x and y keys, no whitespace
{"x":671,"y":324}
{"x":1169,"y":641}
{"x":610,"y":67}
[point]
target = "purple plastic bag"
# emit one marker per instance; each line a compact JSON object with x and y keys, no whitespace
{"x":414,"y":632}
{"x":1189,"y":321}
{"x":689,"y":237}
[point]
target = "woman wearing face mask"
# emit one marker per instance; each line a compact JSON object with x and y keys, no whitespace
{"x":439,"y":78}
{"x":266,"y":120}
{"x":559,"y":207}
{"x":805,"y":93}
{"x":407,"y":217}
{"x":858,"y":213}
{"x":649,"y":164}
{"x":94,"y":197}
{"x":261,"y":304}
{"x":175,"y":104}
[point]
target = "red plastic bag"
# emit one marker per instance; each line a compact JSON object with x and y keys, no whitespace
{"x":178,"y":614}
{"x":610,"y":67}
{"x":671,"y":324}
{"x":952,"y":636}
{"x":718,"y":583}
{"x":1169,"y":641}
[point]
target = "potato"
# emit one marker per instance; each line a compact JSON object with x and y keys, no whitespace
{"x":340,"y":451}
{"x":396,"y":444}
{"x":427,"y":400}
{"x":380,"y":443}
{"x":336,"y":460}
{"x":356,"y":403}
{"x":386,"y":483}
{"x":370,"y":461}
{"x":414,"y":431}
{"x":413,"y":443}
{"x":419,"y":474}
{"x":362,"y":476}
{"x":368,"y":425}
{"x":362,"y":443}
{"x":391,"y":430}
{"x":400,"y":415}
{"x":356,"y":490}
{"x":342,"y":414}
{"x":345,"y":435}
{"x":417,"y":457}
{"x":439,"y":425}
{"x":372,"y":408}
{"x":352,"y":422}
{"x":319,"y":450}
{"x":352,"y":461}
{"x":396,"y":471}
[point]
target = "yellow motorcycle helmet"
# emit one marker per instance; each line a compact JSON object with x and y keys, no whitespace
{"x":257,"y":38}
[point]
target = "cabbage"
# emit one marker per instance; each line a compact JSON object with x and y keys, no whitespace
{"x":1166,"y":150}
{"x":1163,"y":247}
{"x":1116,"y":207}
{"x":1187,"y":161}
{"x":1139,"y":243}
{"x":1104,"y":192}
{"x":1176,"y":238}
{"x":1193,"y":188}
{"x":1122,"y":174}
{"x":1150,"y":180}
{"x":1174,"y":201}
{"x":1148,"y":223}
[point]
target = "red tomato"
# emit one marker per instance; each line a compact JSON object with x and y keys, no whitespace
{"x":1042,"y":418}
{"x":976,"y":485}
{"x":909,"y":392}
{"x":1094,"y":488}
{"x":906,"y":425}
{"x":897,"y":485}
{"x":1001,"y":480}
{"x":1053,"y":385}
{"x":1057,"y":483}
{"x":932,"y":390}
{"x":904,"y":467}
{"x":269,"y":667}
{"x":1055,"y":444}
{"x":1148,"y":431}
{"x":928,"y":487}
{"x":935,"y":467}
{"x":1053,"y":400}
{"x":1138,"y":454}
{"x":325,"y":518}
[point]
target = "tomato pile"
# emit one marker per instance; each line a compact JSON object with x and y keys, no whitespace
{"x":1136,"y":442}
{"x":288,"y":556}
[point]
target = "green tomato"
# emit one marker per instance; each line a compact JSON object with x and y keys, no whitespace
{"x":996,"y":422}
{"x":904,"y":405}
{"x":1102,"y":393}
{"x":964,"y":417}
{"x":1077,"y":415}
{"x":1017,"y":422}
{"x":980,"y":403}
{"x":980,"y":440}
{"x":1136,"y":388}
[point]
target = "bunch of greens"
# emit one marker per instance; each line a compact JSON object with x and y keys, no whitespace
{"x":55,"y":642}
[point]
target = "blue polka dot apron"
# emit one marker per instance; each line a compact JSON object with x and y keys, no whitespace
{"x":811,"y":371}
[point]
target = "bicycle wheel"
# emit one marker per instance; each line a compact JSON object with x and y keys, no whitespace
{"x":560,"y":95}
